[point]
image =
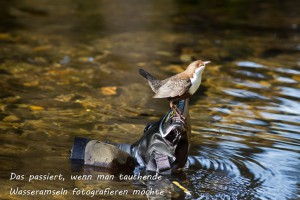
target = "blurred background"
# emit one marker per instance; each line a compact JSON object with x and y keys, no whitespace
{"x":69,"y":68}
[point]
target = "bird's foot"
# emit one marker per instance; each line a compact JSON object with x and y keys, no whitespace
{"x":177,"y":112}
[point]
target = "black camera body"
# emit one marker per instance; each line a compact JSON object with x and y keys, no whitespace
{"x":163,"y":148}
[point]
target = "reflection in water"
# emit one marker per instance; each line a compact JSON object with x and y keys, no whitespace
{"x":69,"y":69}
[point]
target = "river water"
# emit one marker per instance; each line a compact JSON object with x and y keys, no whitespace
{"x":69,"y":68}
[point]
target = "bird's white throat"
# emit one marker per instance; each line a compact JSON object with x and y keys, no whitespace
{"x":196,"y":80}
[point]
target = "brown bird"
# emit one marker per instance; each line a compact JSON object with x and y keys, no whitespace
{"x":180,"y":86}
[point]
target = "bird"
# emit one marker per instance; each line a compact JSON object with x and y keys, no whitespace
{"x":178,"y":87}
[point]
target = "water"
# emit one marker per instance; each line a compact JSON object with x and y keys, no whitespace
{"x":70,"y":69}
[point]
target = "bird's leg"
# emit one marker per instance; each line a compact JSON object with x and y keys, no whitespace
{"x":176,"y":110}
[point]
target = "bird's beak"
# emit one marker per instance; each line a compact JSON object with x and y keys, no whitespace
{"x":206,"y":62}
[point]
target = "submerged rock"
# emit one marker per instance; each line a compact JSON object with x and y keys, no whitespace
{"x":11,"y":118}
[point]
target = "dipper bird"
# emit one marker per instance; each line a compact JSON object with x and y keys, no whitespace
{"x":177,"y":87}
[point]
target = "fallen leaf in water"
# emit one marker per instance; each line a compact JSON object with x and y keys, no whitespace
{"x":174,"y":69}
{"x":31,"y":84}
{"x":2,"y":107}
{"x":85,"y":59}
{"x":185,"y":58}
{"x":42,"y":48}
{"x":11,"y":118}
{"x":265,"y":83}
{"x":12,"y":99}
{"x":60,"y":72}
{"x":156,"y":62}
{"x":141,"y":64}
{"x":108,"y":91}
{"x":297,"y":78}
{"x":36,"y":108}
{"x":6,"y":37}
{"x":65,"y":97}
{"x":163,"y":53}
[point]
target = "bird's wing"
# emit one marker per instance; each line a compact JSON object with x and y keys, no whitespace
{"x":173,"y":87}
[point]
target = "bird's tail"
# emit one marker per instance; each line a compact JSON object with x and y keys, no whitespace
{"x":153,"y":82}
{"x":146,"y":75}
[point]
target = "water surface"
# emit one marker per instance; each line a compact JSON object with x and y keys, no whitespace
{"x":69,"y":68}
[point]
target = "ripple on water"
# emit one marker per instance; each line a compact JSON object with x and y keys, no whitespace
{"x":284,"y":172}
{"x":250,"y":64}
{"x":250,"y":84}
{"x":258,"y":122}
{"x":287,"y":70}
{"x":280,"y":117}
{"x":288,"y":91}
{"x":285,"y":80}
{"x":220,"y":177}
{"x":245,"y":149}
{"x":255,"y":140}
{"x":291,"y":128}
{"x":287,"y":107}
{"x":229,"y":172}
{"x":251,"y":74}
{"x":210,"y":184}
{"x":243,"y":93}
